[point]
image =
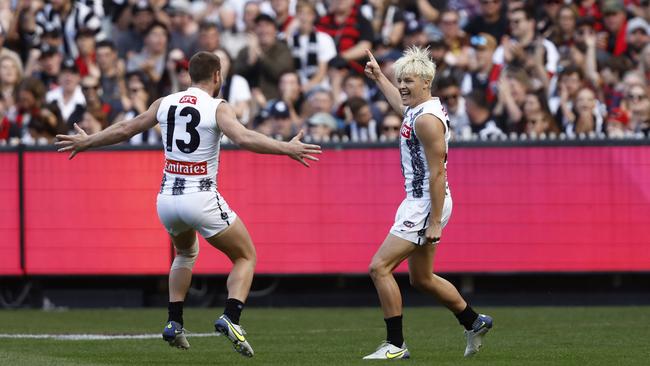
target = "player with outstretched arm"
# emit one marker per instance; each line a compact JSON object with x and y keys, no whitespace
{"x":425,"y":211}
{"x":192,"y":123}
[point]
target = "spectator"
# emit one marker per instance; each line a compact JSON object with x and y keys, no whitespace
{"x":94,"y":120}
{"x":491,"y":20}
{"x":68,"y":96}
{"x":390,"y":126}
{"x":319,"y":100}
{"x":111,"y":79}
{"x":537,"y":117}
{"x":562,"y":32}
{"x":512,"y":87}
{"x":638,"y":36}
{"x":360,"y":125}
{"x":458,"y":53}
{"x":31,"y":121}
{"x":235,"y":89}
{"x":414,"y":35}
{"x":138,"y":93}
{"x":209,"y":37}
{"x":290,"y":93}
{"x":617,"y":122}
{"x":585,"y":117}
{"x":91,"y":90}
{"x":283,"y":19}
{"x":321,"y":126}
{"x":638,"y":105}
{"x":644,"y":63}
{"x":570,"y":80}
{"x":67,"y":17}
{"x":591,"y":9}
{"x":130,"y":38}
{"x":86,"y":59}
{"x":264,"y":60}
{"x":547,"y":16}
{"x":49,"y":65}
{"x":178,"y":71}
{"x":151,"y":59}
{"x":352,"y":33}
{"x":4,"y":50}
{"x":183,"y":30}
{"x":610,"y":76}
{"x":387,"y":20}
{"x":483,"y":73}
{"x":449,"y":93}
{"x":280,"y":120}
{"x":482,"y":122}
{"x":615,"y":27}
{"x":311,"y":49}
{"x":11,"y":73}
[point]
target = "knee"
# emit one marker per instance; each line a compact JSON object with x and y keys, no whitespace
{"x":378,"y":269}
{"x":419,"y":282}
{"x":185,"y":258}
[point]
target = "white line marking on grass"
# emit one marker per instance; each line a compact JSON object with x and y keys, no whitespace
{"x":95,"y":337}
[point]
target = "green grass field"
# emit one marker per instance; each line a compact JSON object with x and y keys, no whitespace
{"x":335,"y":336}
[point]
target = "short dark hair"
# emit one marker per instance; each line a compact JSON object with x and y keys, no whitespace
{"x":106,"y":43}
{"x":355,"y":104}
{"x":478,"y":97}
{"x":203,"y":65}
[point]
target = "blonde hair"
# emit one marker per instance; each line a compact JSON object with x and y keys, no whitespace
{"x":415,"y":61}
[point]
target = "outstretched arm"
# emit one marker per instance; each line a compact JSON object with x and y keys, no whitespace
{"x":117,"y":132}
{"x":373,"y":72}
{"x":256,"y":142}
{"x":431,"y":132}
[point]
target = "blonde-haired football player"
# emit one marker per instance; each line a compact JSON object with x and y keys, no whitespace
{"x":425,"y":211}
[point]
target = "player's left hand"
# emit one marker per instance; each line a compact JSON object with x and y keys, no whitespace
{"x":433,"y":233}
{"x":300,"y":151}
{"x":75,"y":143}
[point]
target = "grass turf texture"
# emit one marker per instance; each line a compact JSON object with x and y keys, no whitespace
{"x":340,"y":336}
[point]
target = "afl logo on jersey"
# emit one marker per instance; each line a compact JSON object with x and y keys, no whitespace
{"x":188,"y":99}
{"x":406,"y":131}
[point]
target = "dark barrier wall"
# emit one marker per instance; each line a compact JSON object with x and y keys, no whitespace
{"x":9,"y":215}
{"x":521,"y":209}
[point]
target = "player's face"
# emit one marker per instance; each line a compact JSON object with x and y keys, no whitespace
{"x":413,"y":90}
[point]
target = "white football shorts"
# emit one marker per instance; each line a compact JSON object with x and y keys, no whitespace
{"x":412,"y":219}
{"x":206,"y":212}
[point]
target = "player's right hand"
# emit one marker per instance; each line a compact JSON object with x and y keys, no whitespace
{"x":372,"y":69}
{"x":300,"y":151}
{"x":75,"y":143}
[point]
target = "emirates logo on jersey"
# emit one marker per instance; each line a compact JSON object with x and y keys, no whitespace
{"x":406,"y":131}
{"x":186,"y":167}
{"x":188,"y":99}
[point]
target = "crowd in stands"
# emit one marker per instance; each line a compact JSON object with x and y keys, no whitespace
{"x":504,"y":68}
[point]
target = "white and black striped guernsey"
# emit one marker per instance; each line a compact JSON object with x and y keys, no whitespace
{"x":191,"y":140}
{"x":414,"y":163}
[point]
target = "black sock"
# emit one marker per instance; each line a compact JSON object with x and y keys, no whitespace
{"x":394,"y":334}
{"x":466,"y":317}
{"x":233,"y":310}
{"x":175,"y":312}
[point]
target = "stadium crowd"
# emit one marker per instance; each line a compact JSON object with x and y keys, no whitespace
{"x":505,"y":68}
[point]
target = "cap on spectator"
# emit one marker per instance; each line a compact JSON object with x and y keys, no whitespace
{"x":636,"y":24}
{"x":179,"y":7}
{"x":322,"y":119}
{"x":279,"y":109}
{"x":613,"y":6}
{"x":618,"y":115}
{"x":48,"y":50}
{"x":69,"y":65}
{"x":263,"y":17}
{"x":413,"y":26}
{"x":483,"y":40}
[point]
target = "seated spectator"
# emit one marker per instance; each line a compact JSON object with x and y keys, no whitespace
{"x":264,"y":60}
{"x":111,"y":79}
{"x":537,"y":117}
{"x":138,"y":93}
{"x":480,"y":118}
{"x":570,"y":80}
{"x":283,"y":20}
{"x":563,"y":31}
{"x":209,"y":37}
{"x":390,"y":126}
{"x":11,"y":73}
{"x":638,"y":36}
{"x":319,"y":100}
{"x":279,"y":118}
{"x":387,"y":20}
{"x":93,"y":121}
{"x":458,"y":53}
{"x":311,"y":49}
{"x":617,"y":123}
{"x":321,"y":126}
{"x":360,"y":126}
{"x":183,"y":30}
{"x":449,"y":92}
{"x":235,"y":89}
{"x":614,"y":21}
{"x":68,"y":97}
{"x":638,"y":105}
{"x":512,"y":87}
{"x":491,"y":19}
{"x":91,"y":91}
{"x":49,"y":67}
{"x":291,"y":94}
{"x":86,"y":59}
{"x":129,"y":37}
{"x":585,"y":117}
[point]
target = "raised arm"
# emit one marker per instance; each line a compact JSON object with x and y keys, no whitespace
{"x":256,"y":142}
{"x":117,"y":132}
{"x":373,"y":72}
{"x":431,"y":132}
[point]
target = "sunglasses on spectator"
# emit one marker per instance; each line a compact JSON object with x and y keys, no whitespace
{"x":636,"y":97}
{"x":391,"y":128}
{"x":478,"y":41}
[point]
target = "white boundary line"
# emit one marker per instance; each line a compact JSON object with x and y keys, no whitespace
{"x":95,"y":337}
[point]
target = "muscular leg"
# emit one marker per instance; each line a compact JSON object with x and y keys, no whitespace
{"x":421,"y":277}
{"x":180,"y":278}
{"x":389,"y":255}
{"x":237,"y":244}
